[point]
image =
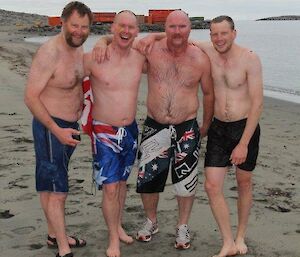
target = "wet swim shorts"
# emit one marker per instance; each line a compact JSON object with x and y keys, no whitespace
{"x":52,"y":157}
{"x":164,"y":146}
{"x":114,"y":152}
{"x":223,"y":138}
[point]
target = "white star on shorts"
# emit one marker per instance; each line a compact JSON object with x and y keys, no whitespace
{"x":186,"y":146}
{"x":154,"y":167}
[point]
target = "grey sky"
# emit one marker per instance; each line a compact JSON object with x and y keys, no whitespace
{"x":238,"y":9}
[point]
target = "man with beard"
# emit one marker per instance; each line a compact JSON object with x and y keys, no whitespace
{"x":115,"y":83}
{"x":54,"y":96}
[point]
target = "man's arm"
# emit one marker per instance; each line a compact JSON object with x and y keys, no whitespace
{"x":206,"y":47}
{"x":42,"y":68}
{"x":208,"y":96}
{"x":87,"y":63}
{"x":145,"y":44}
{"x":255,"y":86}
{"x":100,"y":51}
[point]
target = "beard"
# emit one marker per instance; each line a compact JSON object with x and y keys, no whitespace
{"x":225,"y":50}
{"x":70,"y":41}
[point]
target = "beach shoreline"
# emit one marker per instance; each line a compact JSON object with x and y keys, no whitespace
{"x":273,"y":226}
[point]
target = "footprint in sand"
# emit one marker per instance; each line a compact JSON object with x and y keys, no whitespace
{"x":71,"y":211}
{"x":131,"y":209}
{"x":23,"y":140}
{"x":35,"y":246}
{"x":23,"y":230}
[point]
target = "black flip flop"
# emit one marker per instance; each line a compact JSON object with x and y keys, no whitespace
{"x":77,"y":244}
{"x":66,"y":255}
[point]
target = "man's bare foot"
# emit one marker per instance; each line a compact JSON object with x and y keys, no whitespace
{"x":241,"y":247}
{"x":227,"y":250}
{"x":113,"y":252}
{"x":124,"y":237}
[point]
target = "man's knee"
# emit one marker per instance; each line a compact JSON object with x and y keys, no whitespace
{"x":111,"y":191}
{"x":57,"y":197}
{"x":211,"y":188}
{"x":244,"y":185}
{"x":244,"y":180}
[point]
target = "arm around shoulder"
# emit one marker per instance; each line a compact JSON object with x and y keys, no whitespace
{"x":87,"y":63}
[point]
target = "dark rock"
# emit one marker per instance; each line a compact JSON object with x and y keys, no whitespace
{"x":6,"y":214}
{"x":281,"y":18}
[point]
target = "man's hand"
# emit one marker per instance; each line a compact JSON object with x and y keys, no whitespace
{"x":64,"y":135}
{"x":145,"y":44}
{"x":239,"y":154}
{"x":203,"y":131}
{"x":100,"y":51}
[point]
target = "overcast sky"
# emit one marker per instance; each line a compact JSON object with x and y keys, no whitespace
{"x":238,"y":9}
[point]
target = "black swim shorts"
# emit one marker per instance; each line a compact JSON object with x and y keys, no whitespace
{"x":223,"y":138}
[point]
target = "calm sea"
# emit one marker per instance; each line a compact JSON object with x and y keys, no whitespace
{"x":276,"y":42}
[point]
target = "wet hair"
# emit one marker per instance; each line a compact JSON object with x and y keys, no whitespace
{"x":223,"y":18}
{"x":81,"y":8}
{"x":126,"y":11}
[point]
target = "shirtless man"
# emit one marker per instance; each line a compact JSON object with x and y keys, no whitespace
{"x":171,"y":134}
{"x":54,"y":96}
{"x":233,"y":138}
{"x":115,"y":84}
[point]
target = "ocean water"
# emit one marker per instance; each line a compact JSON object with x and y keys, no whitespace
{"x":276,"y":42}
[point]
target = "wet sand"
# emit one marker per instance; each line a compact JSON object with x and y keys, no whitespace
{"x":274,"y":225}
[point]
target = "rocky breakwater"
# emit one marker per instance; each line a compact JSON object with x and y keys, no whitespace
{"x":281,"y":18}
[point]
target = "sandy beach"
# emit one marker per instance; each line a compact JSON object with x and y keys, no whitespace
{"x":274,"y":226}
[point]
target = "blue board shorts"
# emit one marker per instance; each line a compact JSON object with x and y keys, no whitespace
{"x":114,"y":152}
{"x":52,"y":157}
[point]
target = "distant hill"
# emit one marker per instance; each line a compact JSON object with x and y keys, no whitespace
{"x":281,"y":18}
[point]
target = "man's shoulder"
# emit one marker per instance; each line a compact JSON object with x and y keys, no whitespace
{"x":247,"y":52}
{"x":249,"y":56}
{"x":137,"y":54}
{"x":197,"y":54}
{"x":49,"y":48}
{"x":159,"y":44}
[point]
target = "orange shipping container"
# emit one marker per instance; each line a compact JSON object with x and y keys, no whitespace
{"x":54,"y":21}
{"x":104,"y":17}
{"x":160,"y":15}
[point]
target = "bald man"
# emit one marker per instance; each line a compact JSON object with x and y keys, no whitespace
{"x":115,"y":84}
{"x":171,"y":134}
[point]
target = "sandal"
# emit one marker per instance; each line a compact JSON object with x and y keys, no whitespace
{"x":77,"y":244}
{"x":66,"y":255}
